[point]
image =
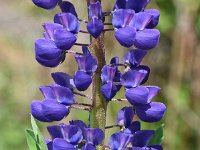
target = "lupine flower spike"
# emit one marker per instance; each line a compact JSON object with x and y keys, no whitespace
{"x":133,"y":26}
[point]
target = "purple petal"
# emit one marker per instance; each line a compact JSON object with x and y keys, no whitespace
{"x":54,"y":111}
{"x":63,"y":79}
{"x":125,"y":36}
{"x":122,"y":17}
{"x":141,"y":138}
{"x":86,"y":63}
{"x":47,"y":92}
{"x":153,"y":91}
{"x":108,"y":91}
{"x":61,"y":144}
{"x":147,"y":39}
{"x":55,"y":131}
{"x":137,"y":95}
{"x":78,"y":123}
{"x":141,"y":20}
{"x":132,"y":78}
{"x":117,"y":78}
{"x":72,"y":134}
{"x":95,"y":10}
{"x":131,"y":129}
{"x":49,"y":145}
{"x":94,"y":136}
{"x":88,"y":147}
{"x":70,"y":22}
{"x":57,"y":19}
{"x":137,"y":5}
{"x":152,"y":112}
{"x":68,"y":7}
{"x":47,"y":54}
{"x":125,"y":116}
{"x":63,"y":95}
{"x":108,"y":73}
{"x":143,"y":68}
{"x":64,"y":39}
{"x":46,"y":4}
{"x":37,"y":112}
{"x":156,"y":15}
{"x":50,"y":29}
{"x":134,"y":57}
{"x":85,"y":50}
{"x":114,"y":60}
{"x":82,"y":80}
{"x":120,"y":4}
{"x":95,"y":27}
{"x":118,"y":141}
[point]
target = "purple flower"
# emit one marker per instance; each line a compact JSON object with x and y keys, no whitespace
{"x":66,"y":37}
{"x":156,"y":16}
{"x":63,"y":79}
{"x":119,"y":141}
{"x":133,"y":78}
{"x":141,"y":139}
{"x":95,"y":25}
{"x":50,"y":51}
{"x":141,"y":94}
{"x":134,"y":57}
{"x":65,"y":136}
{"x":125,"y":116}
{"x":151,"y":112}
{"x":109,"y":75}
{"x":78,"y":123}
{"x":68,"y":7}
{"x":93,"y":136}
{"x":108,"y":90}
{"x":55,"y":105}
{"x":132,"y":128}
{"x":146,"y":110}
{"x":46,"y":4}
{"x":136,"y":5}
{"x":48,"y":110}
{"x":87,"y":65}
{"x":131,"y":29}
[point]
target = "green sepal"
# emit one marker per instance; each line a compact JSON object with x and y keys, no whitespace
{"x":158,"y":137}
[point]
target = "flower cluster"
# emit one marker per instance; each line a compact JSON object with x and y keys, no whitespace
{"x":73,"y":136}
{"x":133,"y":25}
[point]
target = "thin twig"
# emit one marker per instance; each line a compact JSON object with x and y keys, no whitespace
{"x":82,"y":31}
{"x":123,"y":65}
{"x":112,"y":29}
{"x":83,"y":95}
{"x":89,"y":105}
{"x":81,"y":108}
{"x":80,"y":44}
{"x":119,"y":99}
{"x":112,"y":126}
{"x":73,"y":52}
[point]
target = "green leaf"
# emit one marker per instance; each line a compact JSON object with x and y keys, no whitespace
{"x":158,"y":136}
{"x":31,"y":141}
{"x":38,"y":136}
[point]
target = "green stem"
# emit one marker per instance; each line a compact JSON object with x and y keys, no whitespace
{"x":98,"y":114}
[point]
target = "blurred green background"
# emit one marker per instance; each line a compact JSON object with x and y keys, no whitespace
{"x":175,"y":67}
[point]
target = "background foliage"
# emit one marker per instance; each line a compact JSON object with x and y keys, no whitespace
{"x":174,"y":67}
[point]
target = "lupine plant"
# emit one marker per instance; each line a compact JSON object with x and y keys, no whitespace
{"x":133,"y":27}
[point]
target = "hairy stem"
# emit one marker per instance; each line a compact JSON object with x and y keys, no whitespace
{"x":98,"y":114}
